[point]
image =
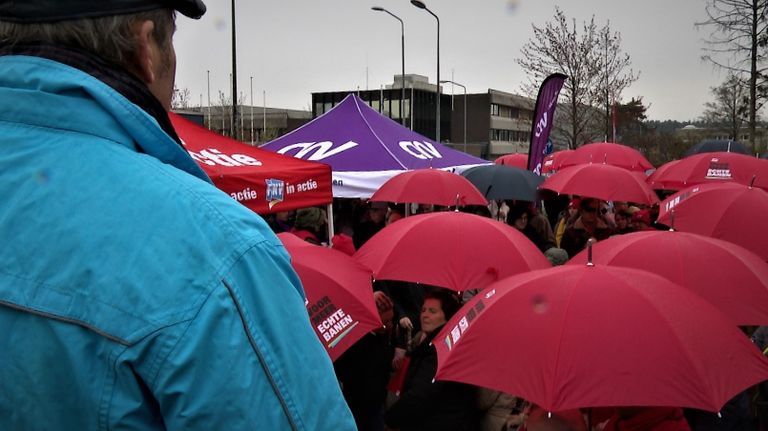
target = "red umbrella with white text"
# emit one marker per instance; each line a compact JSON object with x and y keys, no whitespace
{"x":577,"y":336}
{"x":339,"y":294}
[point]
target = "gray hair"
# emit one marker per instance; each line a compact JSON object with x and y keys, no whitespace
{"x":110,"y":38}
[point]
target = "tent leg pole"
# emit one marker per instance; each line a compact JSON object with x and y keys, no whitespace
{"x":329,"y":223}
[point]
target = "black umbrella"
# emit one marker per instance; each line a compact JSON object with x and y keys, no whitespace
{"x":504,"y":182}
{"x":717,"y":145}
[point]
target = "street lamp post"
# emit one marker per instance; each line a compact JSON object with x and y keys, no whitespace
{"x":264,"y":114}
{"x":402,"y":62}
{"x":209,"y":99}
{"x":234,"y":75}
{"x":251,"y":110}
{"x":421,"y":5}
{"x":465,"y":109}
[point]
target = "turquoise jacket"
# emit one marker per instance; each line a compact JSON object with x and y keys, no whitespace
{"x":134,"y":294}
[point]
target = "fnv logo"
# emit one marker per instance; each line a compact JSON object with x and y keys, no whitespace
{"x":316,"y":150}
{"x":421,"y":149}
{"x":275,"y":191}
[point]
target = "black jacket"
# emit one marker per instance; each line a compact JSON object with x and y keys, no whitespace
{"x":363,"y":372}
{"x":424,"y":405}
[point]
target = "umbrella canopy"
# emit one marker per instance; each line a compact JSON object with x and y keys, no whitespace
{"x":601,"y":181}
{"x":339,"y":294}
{"x":365,"y":148}
{"x":730,"y":277}
{"x":504,"y":182}
{"x":553,"y":161}
{"x":717,"y":145}
{"x":261,"y":180}
{"x":455,"y":250}
{"x":660,"y":172}
{"x":429,"y":186}
{"x":728,"y":211}
{"x":708,"y":168}
{"x":608,"y":153}
{"x":516,"y":160}
{"x":587,"y":336}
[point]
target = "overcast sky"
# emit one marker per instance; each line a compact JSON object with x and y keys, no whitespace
{"x":292,"y":48}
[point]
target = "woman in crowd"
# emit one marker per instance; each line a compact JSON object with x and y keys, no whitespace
{"x":519,"y":216}
{"x":424,"y":404}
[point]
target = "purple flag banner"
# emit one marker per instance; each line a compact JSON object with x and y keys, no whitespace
{"x":543,"y":118}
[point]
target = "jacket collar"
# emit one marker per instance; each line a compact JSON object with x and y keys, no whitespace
{"x":122,"y":96}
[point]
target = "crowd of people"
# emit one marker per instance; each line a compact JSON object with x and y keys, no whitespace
{"x":387,"y":377}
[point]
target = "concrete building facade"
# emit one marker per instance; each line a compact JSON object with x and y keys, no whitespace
{"x":418,"y":113}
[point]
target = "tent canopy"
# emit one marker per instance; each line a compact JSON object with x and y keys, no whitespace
{"x":365,"y":148}
{"x":261,"y":180}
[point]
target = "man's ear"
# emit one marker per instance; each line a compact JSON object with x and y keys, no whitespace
{"x":145,"y":52}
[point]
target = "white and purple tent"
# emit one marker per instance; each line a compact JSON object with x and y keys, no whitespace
{"x":365,"y":148}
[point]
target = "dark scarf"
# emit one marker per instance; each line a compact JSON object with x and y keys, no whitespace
{"x":118,"y":79}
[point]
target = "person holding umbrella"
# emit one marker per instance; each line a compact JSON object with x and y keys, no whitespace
{"x":641,"y":221}
{"x":589,"y":224}
{"x":647,"y":419}
{"x":425,"y":404}
{"x":521,"y":216}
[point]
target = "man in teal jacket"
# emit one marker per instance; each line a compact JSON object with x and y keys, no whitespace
{"x":133,"y":294}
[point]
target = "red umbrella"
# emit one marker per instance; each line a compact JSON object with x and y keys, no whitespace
{"x":553,"y":161}
{"x":515,"y":159}
{"x":587,"y":336}
{"x":430,"y":186}
{"x":601,"y":181}
{"x":455,"y":250}
{"x":659,"y":173}
{"x":728,"y":211}
{"x":608,"y":153}
{"x":263,"y":181}
{"x":705,"y":168}
{"x":730,"y":277}
{"x":339,"y":294}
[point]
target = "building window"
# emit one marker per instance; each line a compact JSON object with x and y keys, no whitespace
{"x":394,"y":108}
{"x":494,"y":109}
{"x":385,"y":103}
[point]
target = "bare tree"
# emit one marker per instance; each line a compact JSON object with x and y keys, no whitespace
{"x":615,"y":69}
{"x":594,"y":63}
{"x":730,"y":107}
{"x":180,"y":98}
{"x":738,"y":44}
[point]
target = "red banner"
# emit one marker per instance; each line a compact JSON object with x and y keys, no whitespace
{"x":263,"y":181}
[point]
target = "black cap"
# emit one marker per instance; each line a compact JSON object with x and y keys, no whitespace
{"x":39,"y":11}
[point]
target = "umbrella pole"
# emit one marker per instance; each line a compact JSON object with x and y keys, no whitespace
{"x":329,"y":223}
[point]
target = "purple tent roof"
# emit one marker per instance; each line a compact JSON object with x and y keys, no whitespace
{"x":354,"y":137}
